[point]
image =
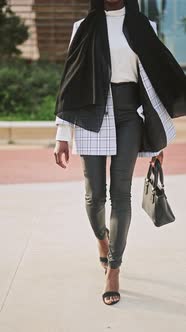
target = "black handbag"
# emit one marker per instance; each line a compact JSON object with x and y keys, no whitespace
{"x":154,"y":200}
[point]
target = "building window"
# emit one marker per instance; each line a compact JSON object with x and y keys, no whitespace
{"x":171,"y":20}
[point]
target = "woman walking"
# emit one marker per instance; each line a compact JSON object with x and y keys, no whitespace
{"x":119,"y":90}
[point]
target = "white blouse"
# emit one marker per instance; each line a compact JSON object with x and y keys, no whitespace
{"x":123,"y":61}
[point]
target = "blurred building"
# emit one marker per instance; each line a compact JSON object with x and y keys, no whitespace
{"x":170,"y":16}
{"x":23,"y":8}
{"x":50,"y":23}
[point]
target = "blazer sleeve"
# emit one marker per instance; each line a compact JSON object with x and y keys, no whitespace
{"x":64,"y":128}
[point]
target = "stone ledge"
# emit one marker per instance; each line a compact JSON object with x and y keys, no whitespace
{"x":44,"y":132}
{"x":27,"y":132}
{"x":31,"y":124}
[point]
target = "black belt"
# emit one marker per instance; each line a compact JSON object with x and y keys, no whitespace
{"x":126,"y":95}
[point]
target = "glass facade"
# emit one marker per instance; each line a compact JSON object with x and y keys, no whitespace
{"x":170,"y":16}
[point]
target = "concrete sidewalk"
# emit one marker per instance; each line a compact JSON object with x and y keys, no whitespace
{"x":51,"y":279}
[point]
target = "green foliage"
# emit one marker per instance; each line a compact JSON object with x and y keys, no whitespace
{"x":13,"y":31}
{"x":28,"y":91}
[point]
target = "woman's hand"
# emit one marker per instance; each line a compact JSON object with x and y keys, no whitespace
{"x":60,"y":148}
{"x":159,"y":157}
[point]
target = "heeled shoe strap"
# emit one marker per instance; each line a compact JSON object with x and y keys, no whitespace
{"x":103,"y":259}
{"x":111,"y":293}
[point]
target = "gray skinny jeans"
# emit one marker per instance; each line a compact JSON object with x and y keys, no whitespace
{"x":129,"y":127}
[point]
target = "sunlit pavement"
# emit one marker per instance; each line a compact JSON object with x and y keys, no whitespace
{"x":50,"y":276}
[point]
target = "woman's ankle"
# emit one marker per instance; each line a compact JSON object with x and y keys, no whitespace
{"x":113,"y":267}
{"x":112,"y":272}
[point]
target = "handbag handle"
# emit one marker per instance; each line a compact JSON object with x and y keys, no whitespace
{"x":157,"y":172}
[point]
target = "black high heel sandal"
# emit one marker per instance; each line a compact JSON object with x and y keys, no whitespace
{"x":111,"y":293}
{"x":105,"y":259}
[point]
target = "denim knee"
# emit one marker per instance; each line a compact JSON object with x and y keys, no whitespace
{"x":119,"y":198}
{"x":95,"y":198}
{"x":95,"y":206}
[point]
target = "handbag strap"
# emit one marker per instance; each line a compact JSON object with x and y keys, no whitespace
{"x":157,"y":172}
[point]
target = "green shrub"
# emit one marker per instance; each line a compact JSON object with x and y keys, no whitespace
{"x":28,"y":91}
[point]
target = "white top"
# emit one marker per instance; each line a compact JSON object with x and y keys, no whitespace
{"x":123,"y":60}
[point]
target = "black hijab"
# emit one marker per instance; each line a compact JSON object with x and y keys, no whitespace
{"x":83,"y":90}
